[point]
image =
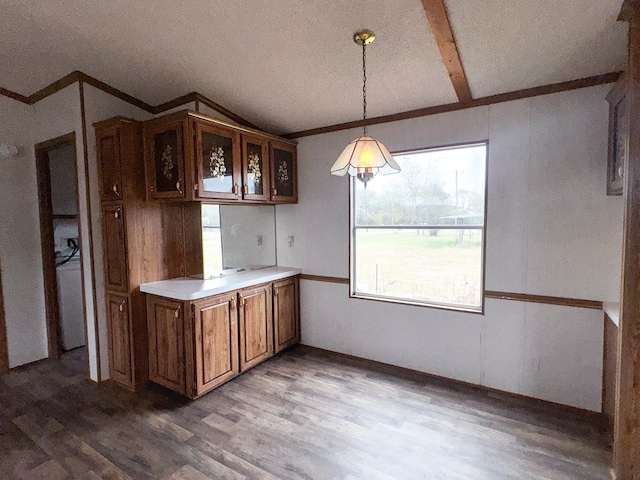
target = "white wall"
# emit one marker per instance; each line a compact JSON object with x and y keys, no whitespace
{"x":20,"y":259}
{"x":551,"y":230}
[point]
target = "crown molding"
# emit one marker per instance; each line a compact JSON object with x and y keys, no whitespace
{"x":78,"y":76}
{"x":478,"y":102}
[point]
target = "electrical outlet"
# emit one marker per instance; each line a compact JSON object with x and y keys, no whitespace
{"x":291,"y":240}
{"x":535,"y":363}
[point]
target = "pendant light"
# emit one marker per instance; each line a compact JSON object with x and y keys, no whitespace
{"x":364,"y":156}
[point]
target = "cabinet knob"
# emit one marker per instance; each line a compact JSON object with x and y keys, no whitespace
{"x":233,"y":303}
{"x":245,"y":190}
{"x":235,"y":189}
{"x":274,"y":192}
{"x":179,"y":186}
{"x":116,"y":214}
{"x":115,"y":189}
{"x":121,"y":306}
{"x":176,"y":314}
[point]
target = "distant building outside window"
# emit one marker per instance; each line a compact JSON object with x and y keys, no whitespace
{"x":419,"y":236}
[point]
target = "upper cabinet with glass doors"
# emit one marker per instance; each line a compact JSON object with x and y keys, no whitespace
{"x":189,"y":156}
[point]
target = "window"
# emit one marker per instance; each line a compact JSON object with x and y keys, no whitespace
{"x":418,"y":236}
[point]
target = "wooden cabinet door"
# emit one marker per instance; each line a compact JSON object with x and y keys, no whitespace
{"x":255,"y":169}
{"x":286,"y":313}
{"x":165,"y":322}
{"x":114,"y":248}
{"x":164,"y":156}
{"x":256,"y":325}
{"x":109,"y":163}
{"x":217,"y":161}
{"x":284,"y":180}
{"x":215,"y":327}
{"x":120,"y":337}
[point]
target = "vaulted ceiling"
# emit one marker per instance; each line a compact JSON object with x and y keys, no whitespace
{"x":291,"y":65}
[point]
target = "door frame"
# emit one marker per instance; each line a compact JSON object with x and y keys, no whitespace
{"x":4,"y":347}
{"x":52,"y":308}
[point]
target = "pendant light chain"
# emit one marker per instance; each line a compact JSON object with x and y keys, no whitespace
{"x":364,"y":85}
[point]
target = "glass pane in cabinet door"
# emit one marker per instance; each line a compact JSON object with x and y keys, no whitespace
{"x":166,"y":153}
{"x":217,"y":163}
{"x":283,"y":173}
{"x":255,"y":169}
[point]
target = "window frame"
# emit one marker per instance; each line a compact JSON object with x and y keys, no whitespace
{"x":412,"y":301}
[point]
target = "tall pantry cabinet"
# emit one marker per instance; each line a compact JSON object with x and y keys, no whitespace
{"x":141,"y":242}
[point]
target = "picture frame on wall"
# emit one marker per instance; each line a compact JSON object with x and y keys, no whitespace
{"x":617,"y":137}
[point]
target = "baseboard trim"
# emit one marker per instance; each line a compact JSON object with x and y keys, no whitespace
{"x":598,"y":418}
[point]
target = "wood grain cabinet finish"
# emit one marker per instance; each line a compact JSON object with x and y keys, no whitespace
{"x":113,"y":241}
{"x":166,"y":326}
{"x":120,"y":338}
{"x":189,"y":156}
{"x":109,"y":170}
{"x":165,"y":159}
{"x":215,"y":335}
{"x":256,"y":325}
{"x":255,"y":168}
{"x":284,"y":173}
{"x":195,"y":346}
{"x":138,"y":247}
{"x":218,"y":162}
{"x":286,"y":313}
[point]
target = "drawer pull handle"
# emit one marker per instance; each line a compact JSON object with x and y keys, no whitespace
{"x":116,"y":214}
{"x":235,"y":189}
{"x":176,"y":314}
{"x":246,"y":190}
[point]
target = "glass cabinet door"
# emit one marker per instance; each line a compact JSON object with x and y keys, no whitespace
{"x":255,"y":168}
{"x":218,"y":162}
{"x":283,"y":173}
{"x":166,"y":165}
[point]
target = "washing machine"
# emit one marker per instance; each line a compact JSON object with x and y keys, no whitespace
{"x":70,"y":302}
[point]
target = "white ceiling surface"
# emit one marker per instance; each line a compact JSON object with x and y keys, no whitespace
{"x":508,"y":45}
{"x":290,"y":65}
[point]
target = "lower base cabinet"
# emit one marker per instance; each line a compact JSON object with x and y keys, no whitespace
{"x":195,"y":346}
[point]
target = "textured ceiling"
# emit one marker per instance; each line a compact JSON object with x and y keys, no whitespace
{"x":290,"y":65}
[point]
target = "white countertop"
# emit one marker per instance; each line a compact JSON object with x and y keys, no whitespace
{"x":186,"y":288}
{"x":612,"y":309}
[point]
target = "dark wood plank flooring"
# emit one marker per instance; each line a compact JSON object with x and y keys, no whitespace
{"x":304,"y":414}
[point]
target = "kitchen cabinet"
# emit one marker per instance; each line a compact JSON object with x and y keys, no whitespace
{"x":255,"y":168}
{"x":218,"y":166}
{"x":189,"y":156}
{"x":215,"y":342}
{"x":108,"y":153}
{"x":256,"y":326}
{"x":286,"y":313}
{"x":137,"y":247}
{"x":166,"y":343}
{"x":120,"y":336}
{"x":284,"y":174}
{"x":197,"y":345}
{"x":113,"y":241}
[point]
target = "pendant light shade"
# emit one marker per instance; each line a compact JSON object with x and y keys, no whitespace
{"x":364,"y":156}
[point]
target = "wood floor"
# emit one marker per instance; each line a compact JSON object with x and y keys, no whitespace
{"x":301,"y":415}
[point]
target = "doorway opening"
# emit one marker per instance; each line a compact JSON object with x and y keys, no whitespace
{"x":56,"y":165}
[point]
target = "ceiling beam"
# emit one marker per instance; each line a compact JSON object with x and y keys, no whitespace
{"x":441,"y":28}
{"x":478,"y":102}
